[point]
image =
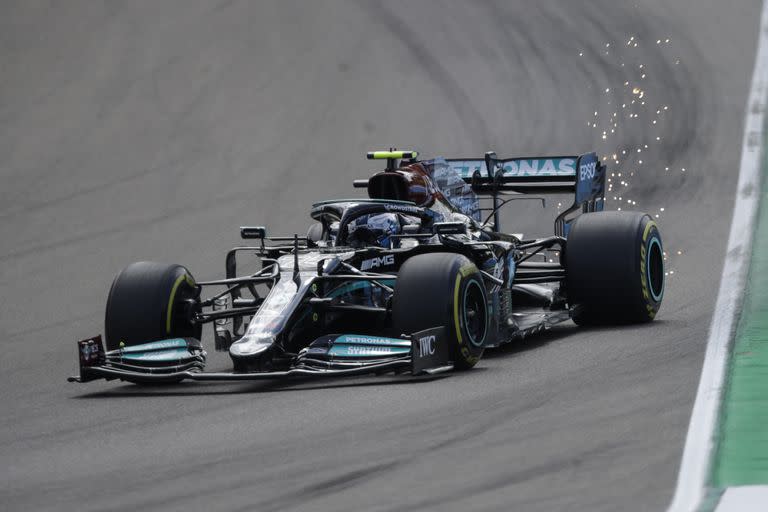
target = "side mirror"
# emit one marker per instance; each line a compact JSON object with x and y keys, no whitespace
{"x":253,"y":232}
{"x":450,"y":228}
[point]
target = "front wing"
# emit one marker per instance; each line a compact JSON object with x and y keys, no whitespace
{"x":167,"y":361}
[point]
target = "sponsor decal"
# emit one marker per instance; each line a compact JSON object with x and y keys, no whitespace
{"x":427,"y":346}
{"x":91,"y":351}
{"x":370,"y":340}
{"x":388,"y":259}
{"x":402,"y":208}
{"x":520,"y":167}
{"x":358,"y":350}
{"x":361,"y":350}
{"x":587,"y":171}
{"x":351,"y":345}
{"x":588,"y":186}
{"x":362,"y":339}
{"x":428,"y":350}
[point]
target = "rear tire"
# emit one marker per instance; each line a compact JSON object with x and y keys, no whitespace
{"x":443,"y":289}
{"x":615,"y":268}
{"x":146,"y":303}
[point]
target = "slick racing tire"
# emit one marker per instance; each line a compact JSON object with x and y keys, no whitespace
{"x":614,"y":264}
{"x":147,"y":303}
{"x":443,"y":289}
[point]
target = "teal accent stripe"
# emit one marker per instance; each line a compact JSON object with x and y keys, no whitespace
{"x":742,"y":454}
{"x":173,"y":354}
{"x":172,"y":343}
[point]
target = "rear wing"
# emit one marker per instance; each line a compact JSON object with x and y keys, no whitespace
{"x":582,"y":175}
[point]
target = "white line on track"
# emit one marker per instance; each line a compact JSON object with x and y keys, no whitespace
{"x":699,"y":444}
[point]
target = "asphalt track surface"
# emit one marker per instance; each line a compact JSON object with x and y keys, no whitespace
{"x":152,"y":130}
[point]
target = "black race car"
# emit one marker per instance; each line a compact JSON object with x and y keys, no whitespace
{"x":418,"y":279}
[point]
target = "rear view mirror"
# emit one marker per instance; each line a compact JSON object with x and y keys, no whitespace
{"x":253,"y":232}
{"x":450,"y":228}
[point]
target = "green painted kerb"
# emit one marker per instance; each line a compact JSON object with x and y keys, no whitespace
{"x":742,"y":455}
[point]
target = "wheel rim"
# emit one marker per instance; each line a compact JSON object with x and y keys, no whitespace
{"x":475,"y":317}
{"x":655,"y":269}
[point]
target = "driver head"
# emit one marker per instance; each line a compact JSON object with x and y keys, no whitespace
{"x":373,"y":230}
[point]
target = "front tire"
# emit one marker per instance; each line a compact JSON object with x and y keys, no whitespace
{"x":615,"y":268}
{"x":147,"y":303}
{"x":443,"y":289}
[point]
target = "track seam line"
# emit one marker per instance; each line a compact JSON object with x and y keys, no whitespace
{"x":700,"y":443}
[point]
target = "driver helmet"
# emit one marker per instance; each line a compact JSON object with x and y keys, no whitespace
{"x":373,"y":229}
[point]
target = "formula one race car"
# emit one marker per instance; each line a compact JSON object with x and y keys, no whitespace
{"x":411,"y":280}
